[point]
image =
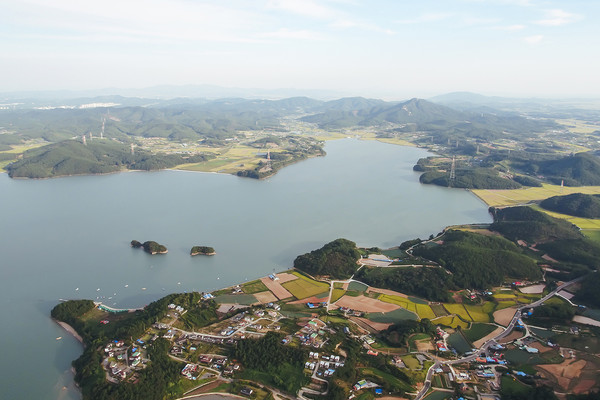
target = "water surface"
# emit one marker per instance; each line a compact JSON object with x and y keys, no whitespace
{"x":63,"y":234}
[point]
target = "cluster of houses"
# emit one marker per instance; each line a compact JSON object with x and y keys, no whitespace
{"x":118,"y":361}
{"x":191,"y":371}
{"x":350,"y":312}
{"x":325,"y":365}
{"x":313,"y":333}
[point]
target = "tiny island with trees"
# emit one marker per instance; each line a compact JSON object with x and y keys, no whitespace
{"x":202,"y":250}
{"x":150,"y":247}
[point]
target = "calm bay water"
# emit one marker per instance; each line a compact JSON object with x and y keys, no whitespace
{"x":62,"y":234}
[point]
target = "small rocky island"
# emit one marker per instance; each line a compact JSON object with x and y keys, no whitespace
{"x":150,"y":247}
{"x":202,"y":250}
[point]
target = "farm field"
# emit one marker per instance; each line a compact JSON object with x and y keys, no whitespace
{"x":511,"y":197}
{"x":304,"y":287}
{"x":451,"y":321}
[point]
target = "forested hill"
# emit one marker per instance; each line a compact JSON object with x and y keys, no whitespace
{"x":422,"y":115}
{"x":336,"y":259}
{"x":577,"y":204}
{"x":72,"y":157}
{"x":576,"y":170}
{"x":525,"y":223}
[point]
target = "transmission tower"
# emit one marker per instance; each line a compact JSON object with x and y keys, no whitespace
{"x":452,"y":172}
{"x":102,"y":130}
{"x":132,"y":152}
{"x":83,"y":138}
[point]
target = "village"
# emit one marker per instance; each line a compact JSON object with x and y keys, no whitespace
{"x":296,"y":305}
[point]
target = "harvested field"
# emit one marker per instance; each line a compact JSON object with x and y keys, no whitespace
{"x":532,"y":289}
{"x":274,"y":286}
{"x":377,"y":326}
{"x":265,"y":297}
{"x":225,"y":308}
{"x":585,"y":320}
{"x":386,"y":291}
{"x":503,"y":317}
{"x":481,"y":341}
{"x":365,"y":304}
{"x":286,"y":277}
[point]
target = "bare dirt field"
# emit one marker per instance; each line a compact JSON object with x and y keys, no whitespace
{"x":378,"y":326}
{"x":585,"y":320}
{"x":424,"y":345}
{"x":265,"y":297}
{"x":503,"y":317}
{"x":532,"y":289}
{"x":205,"y":388}
{"x":584,"y":386}
{"x":365,"y":304}
{"x":385,"y":291}
{"x":285,"y":277}
{"x":276,"y":288}
{"x":484,"y":339}
{"x":514,"y":335}
{"x":540,"y":347}
{"x":565,"y":372}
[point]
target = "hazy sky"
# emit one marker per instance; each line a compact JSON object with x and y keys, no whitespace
{"x":396,"y":48}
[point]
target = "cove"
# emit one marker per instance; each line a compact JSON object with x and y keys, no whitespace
{"x":64,"y":234}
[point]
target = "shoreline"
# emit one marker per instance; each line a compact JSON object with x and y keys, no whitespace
{"x":70,"y":330}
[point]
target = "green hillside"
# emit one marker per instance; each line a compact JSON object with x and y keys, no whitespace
{"x":72,"y":157}
{"x":577,"y":204}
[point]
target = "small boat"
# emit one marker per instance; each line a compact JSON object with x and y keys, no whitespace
{"x":58,"y":338}
{"x":126,"y":285}
{"x":143,"y":288}
{"x":97,"y":290}
{"x":76,"y":289}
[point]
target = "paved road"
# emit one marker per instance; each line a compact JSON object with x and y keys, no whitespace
{"x":486,"y":345}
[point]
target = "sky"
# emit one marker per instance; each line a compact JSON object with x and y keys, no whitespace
{"x":375,"y":48}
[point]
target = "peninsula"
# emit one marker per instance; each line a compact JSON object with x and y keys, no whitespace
{"x":500,"y":309}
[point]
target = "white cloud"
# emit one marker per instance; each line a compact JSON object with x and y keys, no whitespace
{"x":535,"y":39}
{"x":291,"y":34}
{"x":558,"y":17}
{"x":307,"y":8}
{"x":510,"y":28}
{"x":425,"y":18}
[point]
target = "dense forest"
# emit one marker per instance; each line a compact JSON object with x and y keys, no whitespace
{"x":525,"y":223}
{"x":588,"y":293}
{"x":577,"y":204}
{"x":476,"y":178}
{"x":479,"y":261}
{"x":205,"y":250}
{"x":336,"y":259}
{"x":72,"y":157}
{"x":396,"y":335}
{"x":430,"y":283}
{"x":275,"y":362}
{"x":150,"y":247}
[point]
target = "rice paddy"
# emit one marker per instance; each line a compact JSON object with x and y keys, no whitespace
{"x":305,"y":287}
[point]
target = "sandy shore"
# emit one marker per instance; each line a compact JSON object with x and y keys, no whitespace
{"x":69,"y":329}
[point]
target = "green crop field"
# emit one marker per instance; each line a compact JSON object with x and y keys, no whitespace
{"x":254,"y":287}
{"x":439,"y":310}
{"x":357,"y":286}
{"x":305,"y":287}
{"x":478,"y":331}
